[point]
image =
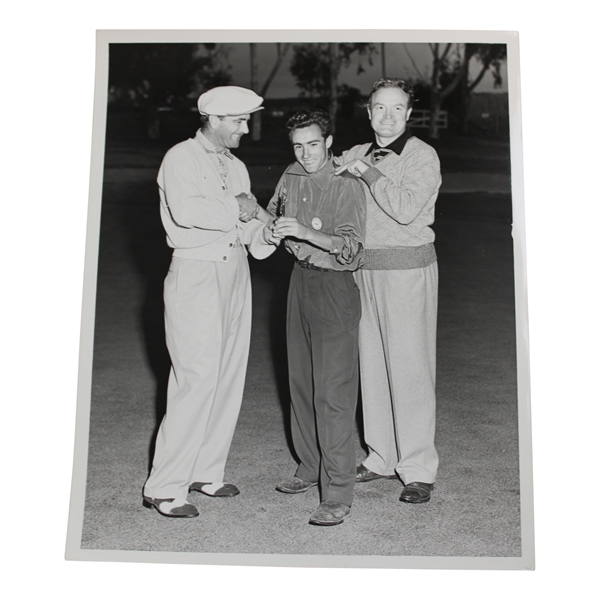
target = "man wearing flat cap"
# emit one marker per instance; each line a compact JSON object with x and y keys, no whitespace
{"x":208,"y":213}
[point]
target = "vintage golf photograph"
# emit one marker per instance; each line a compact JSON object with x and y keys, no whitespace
{"x":304,"y":337}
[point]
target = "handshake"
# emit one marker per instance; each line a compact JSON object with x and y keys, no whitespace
{"x":248,"y":206}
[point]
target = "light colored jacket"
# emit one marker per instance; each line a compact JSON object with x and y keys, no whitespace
{"x":198,"y":209}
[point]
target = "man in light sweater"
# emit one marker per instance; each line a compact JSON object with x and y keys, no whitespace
{"x":398,"y":285}
{"x":208,"y":211}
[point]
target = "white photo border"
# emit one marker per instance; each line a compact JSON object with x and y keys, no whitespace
{"x":75,"y":523}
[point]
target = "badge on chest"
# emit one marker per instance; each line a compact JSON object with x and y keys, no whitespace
{"x":316,"y":223}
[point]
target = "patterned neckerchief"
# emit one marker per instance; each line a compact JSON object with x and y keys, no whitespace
{"x":223,"y":152}
{"x":396,"y":146}
{"x":210,"y":149}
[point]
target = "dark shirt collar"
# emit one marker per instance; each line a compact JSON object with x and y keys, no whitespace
{"x":321,"y":177}
{"x":396,"y":145}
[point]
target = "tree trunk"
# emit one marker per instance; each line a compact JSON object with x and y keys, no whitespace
{"x":464,"y":103}
{"x":334,"y":61}
{"x":256,"y":125}
{"x":256,"y":120}
{"x":438,"y":94}
{"x":433,"y":130}
{"x":466,"y":86}
{"x":282,"y":50}
{"x":153,"y":123}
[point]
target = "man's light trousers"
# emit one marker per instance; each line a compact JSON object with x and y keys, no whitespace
{"x":207,"y":321}
{"x":398,"y":334}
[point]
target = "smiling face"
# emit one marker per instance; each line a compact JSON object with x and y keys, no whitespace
{"x":389,"y":113}
{"x":228,"y":130}
{"x":311,"y":149}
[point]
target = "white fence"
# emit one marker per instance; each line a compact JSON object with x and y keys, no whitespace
{"x":422,"y":118}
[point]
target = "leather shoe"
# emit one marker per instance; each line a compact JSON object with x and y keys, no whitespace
{"x":416,"y":492}
{"x":171,"y":508}
{"x":363,"y":475}
{"x":329,"y":513}
{"x":226,"y":490}
{"x":295,"y":485}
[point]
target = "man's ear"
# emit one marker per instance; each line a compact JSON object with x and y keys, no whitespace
{"x":213,"y":120}
{"x":328,"y":142}
{"x":408,"y":114}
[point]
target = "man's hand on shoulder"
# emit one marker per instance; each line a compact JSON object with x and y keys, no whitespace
{"x":355,"y":167}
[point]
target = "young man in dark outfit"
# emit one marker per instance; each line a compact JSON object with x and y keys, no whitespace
{"x":322,"y":218}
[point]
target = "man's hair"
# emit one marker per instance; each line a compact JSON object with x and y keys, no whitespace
{"x":203,"y":120}
{"x":391,"y":82}
{"x":305,"y":118}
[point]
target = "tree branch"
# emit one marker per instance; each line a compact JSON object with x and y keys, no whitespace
{"x":413,"y":63}
{"x":461,"y":73}
{"x":281,"y":52}
{"x":479,"y":77}
{"x":446,"y":52}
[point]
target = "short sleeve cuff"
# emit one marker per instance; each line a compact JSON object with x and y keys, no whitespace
{"x":345,"y":248}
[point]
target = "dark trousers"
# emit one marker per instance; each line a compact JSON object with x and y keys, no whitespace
{"x":323,"y":313}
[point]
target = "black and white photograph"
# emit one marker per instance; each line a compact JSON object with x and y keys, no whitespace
{"x":85,"y":361}
{"x":308,"y":317}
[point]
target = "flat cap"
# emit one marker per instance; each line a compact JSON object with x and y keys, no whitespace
{"x":229,"y":100}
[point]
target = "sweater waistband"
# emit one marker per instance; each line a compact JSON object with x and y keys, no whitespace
{"x":399,"y":258}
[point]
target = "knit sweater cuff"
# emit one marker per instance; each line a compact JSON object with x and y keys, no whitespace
{"x":371,"y":175}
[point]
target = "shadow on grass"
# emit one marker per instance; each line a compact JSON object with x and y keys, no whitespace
{"x":146,"y":246}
